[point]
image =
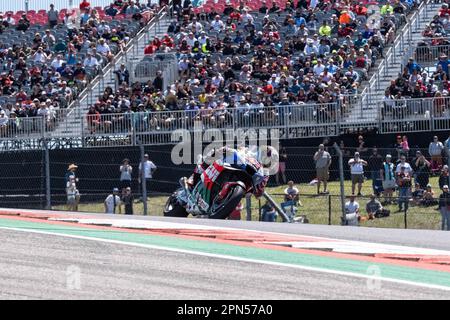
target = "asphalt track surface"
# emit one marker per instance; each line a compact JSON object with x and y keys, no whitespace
{"x":37,"y":266}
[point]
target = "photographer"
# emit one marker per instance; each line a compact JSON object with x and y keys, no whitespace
{"x":323,"y":161}
{"x":125,"y":174}
{"x":357,"y":171}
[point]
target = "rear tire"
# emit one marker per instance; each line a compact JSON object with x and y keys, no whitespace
{"x":221,"y":209}
{"x":172,"y":208}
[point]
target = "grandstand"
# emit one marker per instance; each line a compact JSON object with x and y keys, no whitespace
{"x":310,"y":72}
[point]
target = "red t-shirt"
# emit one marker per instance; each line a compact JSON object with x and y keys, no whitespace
{"x":84,"y":5}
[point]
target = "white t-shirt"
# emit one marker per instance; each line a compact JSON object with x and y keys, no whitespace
{"x":148,"y":166}
{"x":351,"y":207}
{"x":110,"y":203}
{"x":356,"y":168}
{"x":406,"y":165}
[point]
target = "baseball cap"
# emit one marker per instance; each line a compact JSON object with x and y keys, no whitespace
{"x":116,"y":190}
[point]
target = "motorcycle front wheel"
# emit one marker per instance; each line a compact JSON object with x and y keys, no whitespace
{"x":173,"y":208}
{"x":222,"y":208}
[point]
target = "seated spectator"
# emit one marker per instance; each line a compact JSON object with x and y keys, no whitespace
{"x":417,"y":194}
{"x":291,"y":198}
{"x":429,"y":199}
{"x":352,"y":216}
{"x":444,"y":177}
{"x":374,"y":208}
{"x":268,"y":213}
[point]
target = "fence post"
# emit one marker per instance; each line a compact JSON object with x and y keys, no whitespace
{"x":405,"y":216}
{"x":329,"y":210}
{"x":341,"y":178}
{"x":48,"y":202}
{"x":143,"y":181}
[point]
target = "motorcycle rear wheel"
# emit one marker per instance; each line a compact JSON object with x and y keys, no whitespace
{"x":222,"y":208}
{"x":173,"y":209}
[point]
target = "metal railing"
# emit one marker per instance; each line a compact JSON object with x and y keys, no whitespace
{"x":426,"y":55}
{"x":25,"y":5}
{"x":409,"y":115}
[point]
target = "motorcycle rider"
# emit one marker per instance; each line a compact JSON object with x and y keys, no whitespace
{"x":258,"y":162}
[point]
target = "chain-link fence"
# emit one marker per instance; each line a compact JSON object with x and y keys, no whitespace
{"x":38,"y":179}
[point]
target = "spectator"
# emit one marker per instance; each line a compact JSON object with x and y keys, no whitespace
{"x":435,"y":150}
{"x":444,"y":208}
{"x":361,"y":145}
{"x":444,"y":177}
{"x":357,"y":172}
{"x":323,"y":161}
{"x":291,"y":199}
{"x":73,"y":195}
{"x":112,"y":202}
{"x":146,"y":169}
{"x":352,"y":212}
{"x":388,"y":177}
{"x":405,"y":146}
{"x":123,"y":74}
{"x":422,"y":170}
{"x":268,"y":213}
{"x":417,"y":194}
{"x":84,"y":5}
{"x":374,"y":163}
{"x":428,"y":199}
{"x":403,"y":163}
{"x":71,"y":173}
{"x":127,"y":200}
{"x":374,"y":208}
{"x":52,"y":16}
{"x":282,"y":166}
{"x":404,"y":188}
{"x":125,"y":174}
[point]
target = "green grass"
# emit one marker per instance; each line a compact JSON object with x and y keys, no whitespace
{"x":316,"y":208}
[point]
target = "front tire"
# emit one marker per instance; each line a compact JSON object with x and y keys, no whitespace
{"x":221,"y":209}
{"x":172,"y":208}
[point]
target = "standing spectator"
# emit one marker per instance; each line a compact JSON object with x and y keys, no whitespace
{"x":357,"y":172}
{"x":444,"y":178}
{"x":323,"y":162}
{"x":125,"y":174}
{"x":351,"y":212}
{"x":268,"y":213}
{"x":127,"y":200}
{"x":123,"y":74}
{"x":444,"y":208}
{"x":71,"y":173}
{"x":291,"y":198}
{"x":404,"y":188}
{"x":398,"y":147}
{"x":405,"y":164}
{"x":374,"y":163}
{"x":112,"y":202}
{"x":435,"y":151}
{"x":52,"y":15}
{"x":361,"y":145}
{"x":388,"y":177}
{"x":146,"y":169}
{"x":405,"y":145}
{"x":282,"y":167}
{"x":422,"y":170}
{"x":73,"y":195}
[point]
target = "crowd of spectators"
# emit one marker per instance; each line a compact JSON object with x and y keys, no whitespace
{"x":236,"y":57}
{"x":45,"y":64}
{"x":418,"y":80}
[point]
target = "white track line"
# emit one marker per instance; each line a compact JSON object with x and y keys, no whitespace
{"x":220,"y":256}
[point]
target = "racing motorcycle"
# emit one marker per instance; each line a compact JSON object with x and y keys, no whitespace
{"x":217,"y":193}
